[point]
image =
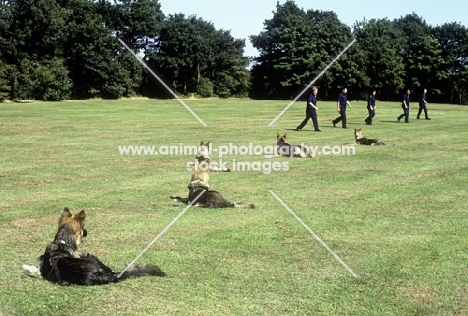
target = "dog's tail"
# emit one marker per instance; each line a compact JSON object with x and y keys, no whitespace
{"x":179,"y":199}
{"x":141,"y":271}
{"x":388,"y":144}
{"x":244,"y":205}
{"x":33,"y":271}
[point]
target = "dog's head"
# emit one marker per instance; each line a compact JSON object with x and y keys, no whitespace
{"x":280,"y":138}
{"x":204,"y":150}
{"x":73,"y":223}
{"x":358,"y":133}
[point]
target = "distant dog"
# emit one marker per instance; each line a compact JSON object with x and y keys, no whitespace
{"x":286,"y":150}
{"x":361,"y":140}
{"x":61,"y":264}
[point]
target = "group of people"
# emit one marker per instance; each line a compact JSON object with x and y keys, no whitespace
{"x":342,"y":103}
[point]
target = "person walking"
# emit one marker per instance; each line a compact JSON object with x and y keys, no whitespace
{"x":341,"y":108}
{"x":370,"y":108}
{"x":405,"y":105}
{"x":311,"y":111}
{"x":422,"y":105}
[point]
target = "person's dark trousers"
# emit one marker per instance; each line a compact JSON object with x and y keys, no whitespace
{"x":371,"y":115}
{"x":422,"y":107}
{"x":310,"y":115}
{"x":405,"y":114}
{"x":342,"y":117}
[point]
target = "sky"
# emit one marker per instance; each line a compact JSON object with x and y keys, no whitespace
{"x":245,"y":17}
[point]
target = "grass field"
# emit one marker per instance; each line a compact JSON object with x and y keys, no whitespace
{"x":396,"y":214}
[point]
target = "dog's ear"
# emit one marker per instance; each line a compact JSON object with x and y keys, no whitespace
{"x":66,"y":213}
{"x":278,"y":135}
{"x":80,"y":216}
{"x":284,"y":135}
{"x":208,"y":144}
{"x":202,"y":143}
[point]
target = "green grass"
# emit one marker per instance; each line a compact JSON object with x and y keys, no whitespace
{"x":395,"y":214}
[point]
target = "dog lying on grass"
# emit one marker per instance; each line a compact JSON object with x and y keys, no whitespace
{"x":61,"y":263}
{"x":200,"y":181}
{"x":287,"y":150}
{"x":361,"y":140}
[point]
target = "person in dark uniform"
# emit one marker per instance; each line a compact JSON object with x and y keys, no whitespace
{"x":370,"y":108}
{"x":311,"y":111}
{"x":422,"y":105}
{"x":341,"y":108}
{"x":405,"y":106}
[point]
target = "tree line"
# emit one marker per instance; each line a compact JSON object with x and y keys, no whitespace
{"x":61,"y":49}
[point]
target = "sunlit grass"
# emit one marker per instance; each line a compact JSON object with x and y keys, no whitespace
{"x":395,"y":214}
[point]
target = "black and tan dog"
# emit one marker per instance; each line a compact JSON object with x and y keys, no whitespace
{"x":200,"y":177}
{"x":199,"y":183}
{"x":61,"y":263}
{"x":361,"y":140}
{"x":286,"y":150}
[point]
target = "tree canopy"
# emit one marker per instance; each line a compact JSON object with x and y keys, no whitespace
{"x":60,"y":49}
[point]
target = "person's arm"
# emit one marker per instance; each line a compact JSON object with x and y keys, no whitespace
{"x":338,"y":106}
{"x":313,"y":105}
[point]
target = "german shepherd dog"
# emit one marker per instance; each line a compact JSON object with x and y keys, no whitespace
{"x":286,"y":150}
{"x":361,"y":140}
{"x":61,"y":263}
{"x":200,"y":181}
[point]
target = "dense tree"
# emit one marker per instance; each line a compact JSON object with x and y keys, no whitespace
{"x":296,"y":46}
{"x":33,"y":38}
{"x":383,"y":64}
{"x":134,"y":21}
{"x":56,"y":49}
{"x":426,"y":67}
{"x":97,"y":63}
{"x":453,"y":38}
{"x":5,"y":46}
{"x":287,"y":53}
{"x":331,"y":37}
{"x":189,"y":49}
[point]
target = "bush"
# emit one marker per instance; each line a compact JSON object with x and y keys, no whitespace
{"x":205,"y":88}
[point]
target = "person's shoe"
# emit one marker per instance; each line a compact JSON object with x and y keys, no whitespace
{"x":334,"y":124}
{"x":428,"y":118}
{"x":398,"y":119}
{"x":317,"y":130}
{"x":417,"y":117}
{"x":298,"y":129}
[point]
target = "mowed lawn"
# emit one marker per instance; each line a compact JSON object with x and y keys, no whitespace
{"x":395,"y":214}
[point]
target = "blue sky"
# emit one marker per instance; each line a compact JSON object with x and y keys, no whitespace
{"x":245,"y":17}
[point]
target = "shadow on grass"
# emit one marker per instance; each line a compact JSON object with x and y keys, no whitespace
{"x":391,"y":121}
